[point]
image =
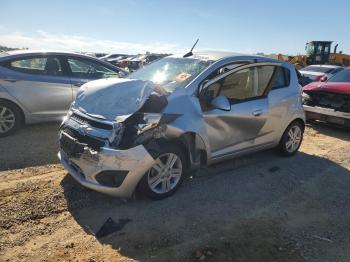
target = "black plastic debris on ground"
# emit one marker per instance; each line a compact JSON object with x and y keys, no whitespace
{"x":274,"y":169}
{"x":110,"y":226}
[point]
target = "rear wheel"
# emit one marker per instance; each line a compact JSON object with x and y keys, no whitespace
{"x":166,"y":175}
{"x":291,"y":139}
{"x":10,"y":118}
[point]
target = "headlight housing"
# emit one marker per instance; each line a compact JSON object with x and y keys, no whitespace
{"x":150,"y":120}
{"x":118,"y":131}
{"x":305,"y":98}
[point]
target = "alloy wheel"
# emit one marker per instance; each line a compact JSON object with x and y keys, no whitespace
{"x":7,"y":119}
{"x":294,"y":138}
{"x":165,"y":174}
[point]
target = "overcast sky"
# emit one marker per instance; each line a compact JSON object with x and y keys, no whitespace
{"x":131,"y":26}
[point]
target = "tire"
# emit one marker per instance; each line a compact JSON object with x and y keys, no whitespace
{"x":291,"y":139}
{"x":11,"y":118}
{"x":157,"y":183}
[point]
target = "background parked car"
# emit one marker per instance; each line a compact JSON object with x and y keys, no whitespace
{"x":40,"y":86}
{"x":320,"y":72}
{"x":329,"y":101}
{"x":303,"y":80}
{"x":108,"y":57}
{"x":123,"y":63}
{"x":142,"y":60}
{"x":115,"y":61}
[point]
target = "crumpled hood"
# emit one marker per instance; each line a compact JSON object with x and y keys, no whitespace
{"x":113,"y":99}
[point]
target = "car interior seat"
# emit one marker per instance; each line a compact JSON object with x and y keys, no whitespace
{"x":52,"y":66}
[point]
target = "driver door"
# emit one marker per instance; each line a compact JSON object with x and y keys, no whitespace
{"x":243,"y":126}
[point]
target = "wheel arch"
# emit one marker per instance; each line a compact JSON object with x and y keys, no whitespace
{"x":23,"y":120}
{"x":298,"y":119}
{"x":190,"y":143}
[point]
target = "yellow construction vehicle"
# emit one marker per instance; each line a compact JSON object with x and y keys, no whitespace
{"x":318,"y":52}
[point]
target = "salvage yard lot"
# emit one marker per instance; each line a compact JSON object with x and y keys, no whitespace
{"x":260,"y":207}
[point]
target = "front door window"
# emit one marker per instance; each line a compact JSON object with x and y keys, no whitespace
{"x":243,"y":85}
{"x":85,"y":69}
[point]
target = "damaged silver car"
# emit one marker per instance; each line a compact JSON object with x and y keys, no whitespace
{"x":179,"y":113}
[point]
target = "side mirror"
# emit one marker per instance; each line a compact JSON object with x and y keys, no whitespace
{"x":221,"y":102}
{"x":323,"y":79}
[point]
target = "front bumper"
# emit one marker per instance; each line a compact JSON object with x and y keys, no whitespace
{"x":136,"y":161}
{"x":327,"y":115}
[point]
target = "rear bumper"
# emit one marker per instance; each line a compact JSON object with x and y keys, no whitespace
{"x":327,"y":115}
{"x":135,"y":161}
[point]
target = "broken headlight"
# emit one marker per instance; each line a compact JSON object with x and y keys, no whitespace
{"x":150,"y":127}
{"x":305,"y":98}
{"x":150,"y":120}
{"x":118,"y":131}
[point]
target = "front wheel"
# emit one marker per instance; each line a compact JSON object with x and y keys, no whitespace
{"x":291,"y":139}
{"x":166,"y":175}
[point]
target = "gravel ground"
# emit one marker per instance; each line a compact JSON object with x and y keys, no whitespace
{"x":260,"y":207}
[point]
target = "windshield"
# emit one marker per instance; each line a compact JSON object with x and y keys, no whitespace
{"x":171,"y":73}
{"x":320,"y":69}
{"x":342,"y":77}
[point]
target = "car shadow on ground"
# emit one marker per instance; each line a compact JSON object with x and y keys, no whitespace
{"x":337,"y":131}
{"x":243,"y":209}
{"x":32,"y":145}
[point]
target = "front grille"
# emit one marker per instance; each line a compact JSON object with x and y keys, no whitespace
{"x":338,"y":102}
{"x":92,"y":142}
{"x":84,"y":120}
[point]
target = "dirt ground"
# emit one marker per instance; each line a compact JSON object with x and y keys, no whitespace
{"x":261,"y":207}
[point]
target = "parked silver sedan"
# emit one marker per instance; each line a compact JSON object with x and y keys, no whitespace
{"x":176,"y":114}
{"x":40,"y":86}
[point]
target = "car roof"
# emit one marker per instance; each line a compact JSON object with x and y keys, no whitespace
{"x":219,"y":55}
{"x":327,"y":66}
{"x":209,"y":55}
{"x":204,"y":55}
{"x":19,"y":53}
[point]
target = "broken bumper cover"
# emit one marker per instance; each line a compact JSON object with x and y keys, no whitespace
{"x":327,"y":115}
{"x":134,"y":162}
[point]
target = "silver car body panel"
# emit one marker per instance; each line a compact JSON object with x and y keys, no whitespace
{"x":248,"y":127}
{"x":90,"y":163}
{"x":41,"y":98}
{"x":36,"y":93}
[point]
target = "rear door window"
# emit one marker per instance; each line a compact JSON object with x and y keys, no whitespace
{"x":37,"y":65}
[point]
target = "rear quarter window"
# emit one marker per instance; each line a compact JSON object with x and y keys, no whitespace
{"x":281,"y":78}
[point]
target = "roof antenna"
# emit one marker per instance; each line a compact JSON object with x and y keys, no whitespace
{"x":190,"y":53}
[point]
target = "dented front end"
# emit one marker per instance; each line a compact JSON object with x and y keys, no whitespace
{"x":102,"y":138}
{"x":327,"y":106}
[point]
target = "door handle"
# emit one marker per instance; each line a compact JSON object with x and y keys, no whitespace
{"x":257,"y":112}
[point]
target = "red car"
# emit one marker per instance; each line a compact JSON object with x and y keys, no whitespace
{"x":329,"y":101}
